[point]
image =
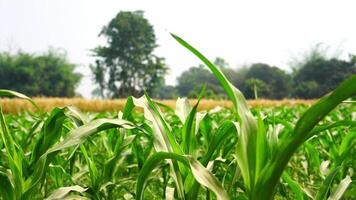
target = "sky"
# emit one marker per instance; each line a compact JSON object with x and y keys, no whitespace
{"x":241,"y":32}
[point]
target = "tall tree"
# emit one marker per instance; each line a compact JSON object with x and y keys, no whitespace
{"x":278,"y":82}
{"x":126,"y":65}
{"x":48,"y":74}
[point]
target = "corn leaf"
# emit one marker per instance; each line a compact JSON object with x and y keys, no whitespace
{"x":337,"y":194}
{"x":201,"y":174}
{"x":75,"y":137}
{"x":62,"y":192}
{"x":324,"y":189}
{"x":246,"y":147}
{"x":10,"y":93}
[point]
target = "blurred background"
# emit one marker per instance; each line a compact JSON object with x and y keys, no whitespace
{"x":114,"y":49}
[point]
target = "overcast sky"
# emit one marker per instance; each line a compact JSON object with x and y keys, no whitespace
{"x":241,"y":32}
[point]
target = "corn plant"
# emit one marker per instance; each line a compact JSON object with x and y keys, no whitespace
{"x":25,"y":175}
{"x":261,"y":158}
{"x":182,"y":153}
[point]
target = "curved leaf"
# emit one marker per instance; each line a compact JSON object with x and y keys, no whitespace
{"x":75,"y":137}
{"x":337,"y":194}
{"x":325,"y":187}
{"x":201,"y":174}
{"x":62,"y":192}
{"x":246,"y":147}
{"x":10,"y":93}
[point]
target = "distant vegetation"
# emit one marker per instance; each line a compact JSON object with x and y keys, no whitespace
{"x":299,"y":152}
{"x":126,"y":65}
{"x":46,"y":74}
{"x":314,"y":78}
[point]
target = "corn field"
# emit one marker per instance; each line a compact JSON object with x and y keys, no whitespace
{"x":281,"y":152}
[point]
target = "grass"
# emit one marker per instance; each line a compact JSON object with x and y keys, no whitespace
{"x":281,"y":152}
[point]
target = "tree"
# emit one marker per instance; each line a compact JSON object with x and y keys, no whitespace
{"x":192,"y":80}
{"x":307,"y":90}
{"x":127,"y":66}
{"x":277,"y":82}
{"x":48,"y":74}
{"x":168,"y":92}
{"x":256,"y":87}
{"x":320,"y":76}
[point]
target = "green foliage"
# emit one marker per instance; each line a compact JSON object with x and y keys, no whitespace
{"x":270,"y":82}
{"x":48,"y":74}
{"x":127,"y":66}
{"x":307,"y":90}
{"x":189,"y":81}
{"x":266,"y":153}
{"x":273,"y":82}
{"x":167,"y":92}
{"x":314,"y":75}
{"x":257,"y":88}
{"x":260,"y":169}
{"x":320,"y":76}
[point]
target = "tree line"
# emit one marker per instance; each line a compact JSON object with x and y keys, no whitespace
{"x":126,"y":65}
{"x":46,"y":74}
{"x":312,"y":79}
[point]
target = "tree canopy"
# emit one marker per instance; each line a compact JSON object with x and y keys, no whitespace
{"x":126,"y":65}
{"x":314,"y":75}
{"x":270,"y":82}
{"x":320,"y":76}
{"x":191,"y":81}
{"x":48,"y":74}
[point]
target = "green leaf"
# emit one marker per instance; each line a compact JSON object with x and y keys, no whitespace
{"x":50,"y":133}
{"x":206,"y":178}
{"x":296,"y":188}
{"x":62,"y":192}
{"x":6,"y":188}
{"x":93,"y":170}
{"x":163,"y":138}
{"x":246,"y":147}
{"x":162,"y":134}
{"x":75,"y":137}
{"x":79,"y":135}
{"x":224,"y":132}
{"x":273,"y":171}
{"x":189,"y":139}
{"x":324,"y":189}
{"x":15,"y":158}
{"x":150,"y":164}
{"x":10,"y":93}
{"x":75,"y":114}
{"x":337,"y":194}
{"x":321,"y":128}
{"x":183,"y":109}
{"x":201,"y":174}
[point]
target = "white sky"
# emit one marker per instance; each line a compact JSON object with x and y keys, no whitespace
{"x":241,"y":32}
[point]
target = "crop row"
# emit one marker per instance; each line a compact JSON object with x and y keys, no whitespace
{"x":264,"y":153}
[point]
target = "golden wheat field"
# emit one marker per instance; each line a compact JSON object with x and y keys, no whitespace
{"x":97,"y":105}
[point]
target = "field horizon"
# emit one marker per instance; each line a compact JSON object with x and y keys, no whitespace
{"x":14,"y":105}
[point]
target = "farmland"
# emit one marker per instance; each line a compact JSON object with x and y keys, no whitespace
{"x":276,"y":152}
{"x":108,"y":163}
{"x":98,"y":105}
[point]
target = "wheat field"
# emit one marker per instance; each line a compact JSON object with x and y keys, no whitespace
{"x":11,"y":105}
